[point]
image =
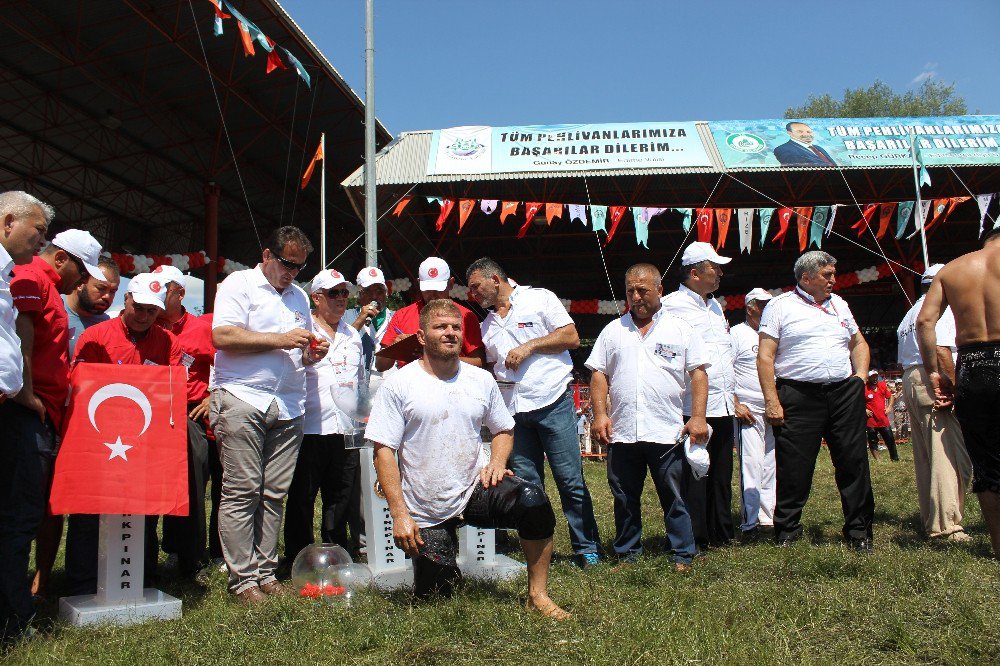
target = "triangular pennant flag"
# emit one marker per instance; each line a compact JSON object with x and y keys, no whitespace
{"x":552,"y":211}
{"x":803,"y":218}
{"x":400,"y":205}
{"x":273,"y":59}
{"x":953,"y":203}
{"x":307,"y":176}
{"x":219,"y":16}
{"x":903,"y":216}
{"x":706,"y":221}
{"x":247,"y":40}
{"x":920,"y":217}
{"x":866,"y":218}
{"x":833,"y":215}
{"x":617,"y":213}
{"x":446,"y":206}
{"x":745,"y":221}
{"x":765,"y":222}
{"x":465,"y":207}
{"x":488,"y":205}
{"x":299,"y":67}
{"x":649,"y":213}
{"x":641,"y":227}
{"x":599,"y":217}
{"x":530,"y":209}
{"x":508,"y":208}
{"x":578,"y":212}
{"x":925,"y":177}
{"x":723,"y":215}
{"x":638,"y":214}
{"x":784,"y":217}
{"x":818,"y":224}
{"x":686,"y":220}
{"x":984,"y":203}
{"x":885,"y":212}
{"x":942,"y":207}
{"x":436,"y":200}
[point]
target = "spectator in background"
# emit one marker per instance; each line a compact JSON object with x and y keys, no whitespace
{"x":878,"y":406}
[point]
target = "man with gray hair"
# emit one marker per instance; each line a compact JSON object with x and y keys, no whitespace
{"x":812,"y":362}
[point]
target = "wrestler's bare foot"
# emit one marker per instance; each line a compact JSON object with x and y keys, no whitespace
{"x":548,"y":608}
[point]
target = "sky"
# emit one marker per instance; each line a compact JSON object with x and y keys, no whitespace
{"x":444,"y":63}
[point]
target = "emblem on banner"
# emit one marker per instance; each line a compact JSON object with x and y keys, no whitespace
{"x":744,"y":142}
{"x":466,"y":148}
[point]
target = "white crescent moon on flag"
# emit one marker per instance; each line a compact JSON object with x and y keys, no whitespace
{"x":126,"y":391}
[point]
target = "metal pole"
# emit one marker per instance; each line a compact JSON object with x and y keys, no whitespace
{"x":371,"y":207}
{"x":322,"y":203}
{"x":919,"y":210}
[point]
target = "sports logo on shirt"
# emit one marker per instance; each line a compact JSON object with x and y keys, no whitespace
{"x":525,"y":324}
{"x":668,"y":352}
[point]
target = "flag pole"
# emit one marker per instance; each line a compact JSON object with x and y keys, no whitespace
{"x":919,"y":211}
{"x":322,"y":203}
{"x":371,"y":204}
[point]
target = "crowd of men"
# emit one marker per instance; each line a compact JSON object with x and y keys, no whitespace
{"x":673,"y":389}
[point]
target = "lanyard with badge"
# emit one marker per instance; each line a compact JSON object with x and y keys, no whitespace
{"x":818,"y":306}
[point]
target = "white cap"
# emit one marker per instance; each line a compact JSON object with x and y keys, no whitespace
{"x":84,"y":247}
{"x":370,"y":275}
{"x":434,"y":274}
{"x":327,"y":278}
{"x":758,"y":294}
{"x":698,"y":252}
{"x":929,"y":274}
{"x":873,"y":373}
{"x":168,"y":273}
{"x":148,"y":289}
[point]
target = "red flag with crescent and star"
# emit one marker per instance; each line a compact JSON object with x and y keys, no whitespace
{"x":124,"y":448}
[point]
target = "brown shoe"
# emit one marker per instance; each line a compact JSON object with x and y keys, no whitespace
{"x":274,"y":588}
{"x":680,"y":567}
{"x":251,"y":596}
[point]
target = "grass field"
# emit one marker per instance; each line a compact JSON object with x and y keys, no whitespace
{"x":816,"y":602}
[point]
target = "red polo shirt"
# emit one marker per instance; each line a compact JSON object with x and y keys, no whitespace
{"x":194,"y":335}
{"x":35,"y":289}
{"x":875,"y":401}
{"x":407,"y":320}
{"x":110,"y":342}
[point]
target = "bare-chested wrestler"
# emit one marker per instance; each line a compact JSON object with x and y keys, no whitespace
{"x":971,"y":286}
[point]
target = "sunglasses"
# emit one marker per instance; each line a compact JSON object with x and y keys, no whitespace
{"x":290,"y":265}
{"x":337,"y":293}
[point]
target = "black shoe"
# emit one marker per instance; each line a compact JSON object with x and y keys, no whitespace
{"x":863,"y":546}
{"x":787,"y":540}
{"x":628,"y":558}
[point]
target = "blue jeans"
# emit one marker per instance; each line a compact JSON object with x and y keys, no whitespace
{"x":627,"y":465}
{"x":550,"y":432}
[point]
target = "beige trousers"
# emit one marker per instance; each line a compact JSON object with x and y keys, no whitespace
{"x":943,"y":467}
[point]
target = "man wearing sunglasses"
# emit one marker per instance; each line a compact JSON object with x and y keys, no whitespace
{"x":263,"y":332}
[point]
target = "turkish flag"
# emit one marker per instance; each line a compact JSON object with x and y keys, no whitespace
{"x":124,"y":447}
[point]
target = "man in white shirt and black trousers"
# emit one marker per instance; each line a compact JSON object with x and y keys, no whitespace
{"x":812,"y":363}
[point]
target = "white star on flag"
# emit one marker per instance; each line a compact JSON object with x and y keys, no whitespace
{"x":118,"y":449}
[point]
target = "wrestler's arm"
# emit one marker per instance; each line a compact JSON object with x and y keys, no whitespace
{"x":500,"y":448}
{"x":404,"y":529}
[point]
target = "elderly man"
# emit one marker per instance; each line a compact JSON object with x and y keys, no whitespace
{"x":649,"y":359}
{"x":709,"y":499}
{"x":754,"y":435}
{"x":812,"y":363}
{"x":131,"y":339}
{"x":971,"y":286}
{"x":264,"y":335}
{"x":528,"y":336}
{"x":942,"y":465}
{"x":371,"y":318}
{"x":430,"y":461}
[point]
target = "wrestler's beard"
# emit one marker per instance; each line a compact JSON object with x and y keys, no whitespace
{"x":437,"y":351}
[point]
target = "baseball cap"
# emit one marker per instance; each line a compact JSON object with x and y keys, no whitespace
{"x":434,"y":274}
{"x":370,"y":275}
{"x":873,"y":373}
{"x":169,"y":273}
{"x":84,"y":247}
{"x":929,"y":274}
{"x":758,"y":294}
{"x":327,"y":279}
{"x":148,"y":289}
{"x":698,"y":252}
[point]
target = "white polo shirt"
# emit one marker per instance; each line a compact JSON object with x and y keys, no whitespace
{"x":745,"y":341}
{"x":11,"y":362}
{"x":648,"y":375}
{"x":710,"y":323}
{"x":813,"y":338}
{"x":908,"y":351}
{"x":247,"y":300}
{"x":340,"y":370}
{"x":542,"y":378}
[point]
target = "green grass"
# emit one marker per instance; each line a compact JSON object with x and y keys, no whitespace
{"x":813,"y":603}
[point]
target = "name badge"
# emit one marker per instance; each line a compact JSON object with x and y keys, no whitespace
{"x":148,"y":362}
{"x":187,"y":360}
{"x":669,"y":352}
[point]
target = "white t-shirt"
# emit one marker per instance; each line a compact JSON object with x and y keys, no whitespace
{"x":745,"y":341}
{"x":434,"y":426}
{"x":708,"y":320}
{"x":247,"y":300}
{"x":542,"y":378}
{"x":339,"y":372}
{"x":648,"y":376}
{"x":908,"y":353}
{"x":813,"y":338}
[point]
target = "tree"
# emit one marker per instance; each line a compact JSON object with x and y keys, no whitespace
{"x":879,"y":100}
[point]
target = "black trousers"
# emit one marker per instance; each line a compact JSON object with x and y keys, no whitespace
{"x":324,"y":466}
{"x":836,"y":412}
{"x":186,"y":535}
{"x":709,"y":499}
{"x":887,"y":437}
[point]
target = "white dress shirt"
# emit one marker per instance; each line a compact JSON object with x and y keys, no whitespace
{"x":908,"y":351}
{"x":813,"y":338}
{"x":542,"y":378}
{"x":11,"y":362}
{"x":745,"y":340}
{"x":247,"y":300}
{"x":648,"y":375}
{"x":707,"y":319}
{"x":375,"y":335}
{"x":340,"y":370}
